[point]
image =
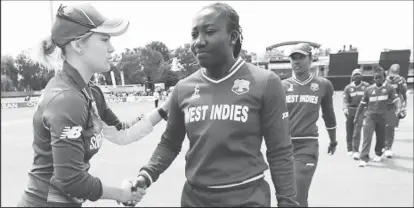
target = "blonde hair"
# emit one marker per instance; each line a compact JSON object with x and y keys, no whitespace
{"x":49,"y":55}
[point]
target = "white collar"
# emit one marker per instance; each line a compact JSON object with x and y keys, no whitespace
{"x":236,"y":66}
{"x":300,"y":82}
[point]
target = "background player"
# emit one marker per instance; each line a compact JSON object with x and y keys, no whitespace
{"x":305,"y":95}
{"x":400,"y":86}
{"x":376,"y":99}
{"x":226,"y":108}
{"x":352,"y":96}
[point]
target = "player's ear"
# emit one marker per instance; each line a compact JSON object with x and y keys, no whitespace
{"x":234,"y":36}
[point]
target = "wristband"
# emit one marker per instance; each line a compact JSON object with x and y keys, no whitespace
{"x":147,"y":180}
{"x":162,"y":113}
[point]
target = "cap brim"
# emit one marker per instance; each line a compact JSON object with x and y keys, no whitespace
{"x":353,"y":74}
{"x":113,"y":27}
{"x":298,"y":51}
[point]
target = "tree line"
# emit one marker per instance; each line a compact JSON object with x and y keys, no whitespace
{"x":153,"y":63}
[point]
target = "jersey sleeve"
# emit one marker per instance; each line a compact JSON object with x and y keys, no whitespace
{"x":328,"y":113}
{"x":171,"y":140}
{"x":275,"y":130}
{"x":365,"y":98}
{"x":392,"y":95}
{"x":345,"y":98}
{"x":402,"y":87}
{"x":65,"y":116}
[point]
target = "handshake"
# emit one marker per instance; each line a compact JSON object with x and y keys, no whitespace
{"x":133,"y":191}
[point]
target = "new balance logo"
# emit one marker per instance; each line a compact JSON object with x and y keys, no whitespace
{"x":71,"y":132}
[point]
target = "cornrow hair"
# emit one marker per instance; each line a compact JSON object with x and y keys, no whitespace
{"x":234,"y":19}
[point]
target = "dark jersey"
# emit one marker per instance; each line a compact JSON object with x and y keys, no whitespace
{"x":225,"y":121}
{"x":65,"y":139}
{"x":399,"y":84}
{"x":378,"y":98}
{"x":304,"y":99}
{"x":352,"y":96}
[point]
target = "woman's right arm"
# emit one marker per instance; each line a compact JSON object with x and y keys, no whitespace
{"x":138,"y":130}
{"x":65,"y":116}
{"x":171,"y":142}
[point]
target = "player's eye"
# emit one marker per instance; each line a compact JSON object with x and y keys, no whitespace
{"x":194,"y":35}
{"x":210,"y":32}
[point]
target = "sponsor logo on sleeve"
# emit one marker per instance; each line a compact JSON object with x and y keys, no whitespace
{"x":73,"y":132}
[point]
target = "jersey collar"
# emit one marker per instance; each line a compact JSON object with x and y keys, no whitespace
{"x":236,"y":66}
{"x":300,"y":82}
{"x":354,"y":85}
{"x":383,"y":85}
{"x":74,"y":75}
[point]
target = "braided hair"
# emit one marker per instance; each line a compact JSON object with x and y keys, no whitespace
{"x":231,"y":14}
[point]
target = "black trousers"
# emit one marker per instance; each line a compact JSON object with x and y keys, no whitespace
{"x":353,"y":133}
{"x":306,"y":154}
{"x":392,"y":122}
{"x":377,"y":123}
{"x":253,"y":194}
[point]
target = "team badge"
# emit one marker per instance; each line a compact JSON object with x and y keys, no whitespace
{"x":196,"y":93}
{"x":384,"y":90}
{"x":363,"y":87}
{"x":314,"y":86}
{"x":290,"y":89}
{"x":240,"y":86}
{"x":351,"y":89}
{"x":373,"y":92}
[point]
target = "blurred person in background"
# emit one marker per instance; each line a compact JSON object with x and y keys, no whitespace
{"x":376,"y":99}
{"x":400,"y":85}
{"x":352,"y":96}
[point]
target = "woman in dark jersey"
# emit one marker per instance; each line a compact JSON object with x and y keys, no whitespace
{"x":72,"y":118}
{"x":226,"y":109}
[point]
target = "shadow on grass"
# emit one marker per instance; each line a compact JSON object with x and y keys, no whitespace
{"x":404,"y":140}
{"x":390,"y":164}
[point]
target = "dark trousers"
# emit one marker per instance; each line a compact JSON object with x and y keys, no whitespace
{"x":254,"y":194}
{"x":353,"y":133}
{"x":30,"y":201}
{"x":156,"y":103}
{"x":306,"y":154}
{"x":377,"y":123}
{"x":392,"y":122}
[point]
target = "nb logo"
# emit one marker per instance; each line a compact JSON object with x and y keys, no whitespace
{"x":71,"y":132}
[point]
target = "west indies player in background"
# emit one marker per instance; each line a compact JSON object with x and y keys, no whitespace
{"x":376,"y":98}
{"x":400,"y":85}
{"x":305,"y":95}
{"x":352,"y":96}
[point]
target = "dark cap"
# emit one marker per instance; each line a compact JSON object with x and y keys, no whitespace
{"x":302,"y":48}
{"x":76,"y":20}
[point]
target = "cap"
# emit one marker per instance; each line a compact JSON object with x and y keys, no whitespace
{"x":356,"y":71}
{"x":302,"y":48}
{"x":76,"y":20}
